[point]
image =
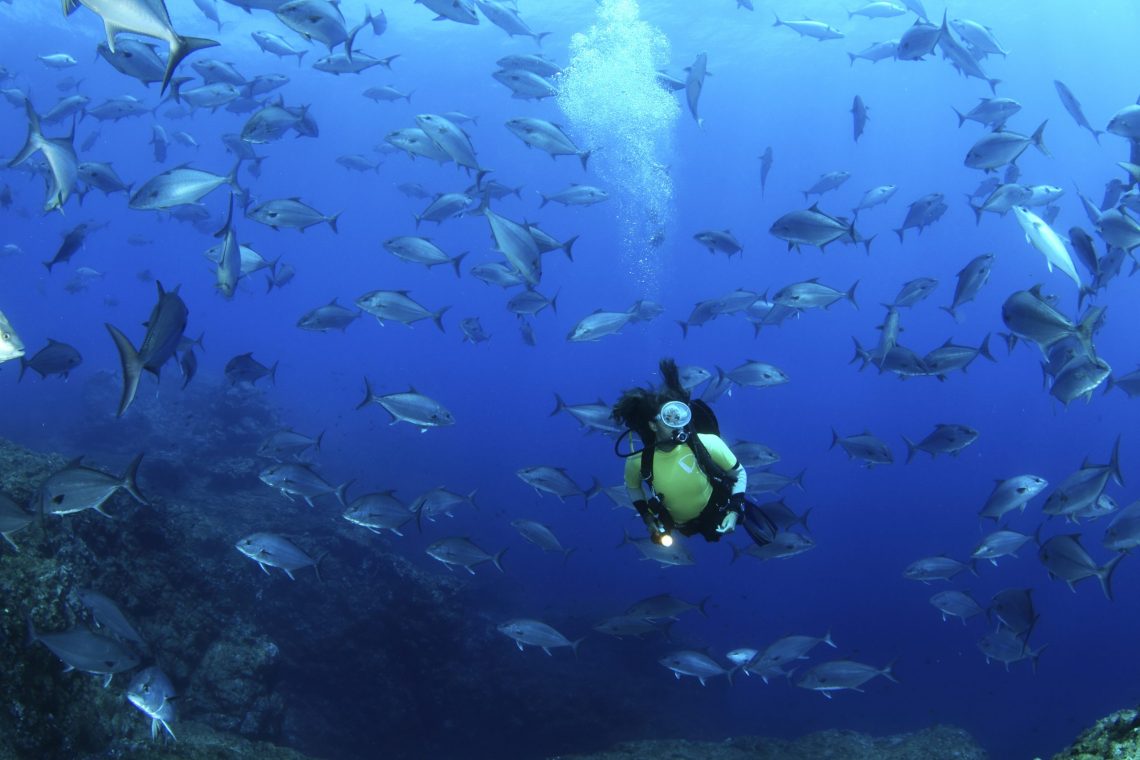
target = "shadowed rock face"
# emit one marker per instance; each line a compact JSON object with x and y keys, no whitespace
{"x":380,"y":648}
{"x":1117,"y":735}
{"x":937,"y":743}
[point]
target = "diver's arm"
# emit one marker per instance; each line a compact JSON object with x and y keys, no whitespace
{"x":735,"y":506}
{"x":741,"y":484}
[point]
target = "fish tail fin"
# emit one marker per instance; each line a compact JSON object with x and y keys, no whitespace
{"x":497,"y":560}
{"x":1038,"y":139}
{"x":273,"y":373}
{"x":1104,"y":575}
{"x":961,"y":118}
{"x":1114,"y":462}
{"x":559,"y":404}
{"x":317,"y":566}
{"x":584,"y":156}
{"x":131,"y":365}
{"x":798,"y":480}
{"x":1088,"y":326}
{"x":950,"y":310}
{"x":850,"y":294}
{"x":35,"y":136}
{"x":130,"y":480}
{"x":179,"y":49}
{"x":232,"y":178}
{"x":1096,"y":133}
{"x":886,"y":672}
{"x":910,"y":449}
{"x":852,"y":57}
{"x":545,"y":200}
{"x":900,"y":233}
{"x":684,"y":328}
{"x":455,"y":262}
{"x":576,"y":642}
{"x":993,"y":83}
{"x":351,"y":40}
{"x":367,"y":394}
{"x":33,"y":637}
{"x":568,"y":246}
{"x":984,"y":349}
{"x":23,"y":365}
{"x":332,"y":222}
{"x":860,"y":353}
{"x":437,"y":317}
{"x":594,"y":489}
{"x":341,"y":491}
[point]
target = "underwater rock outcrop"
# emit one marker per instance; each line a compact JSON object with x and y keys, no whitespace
{"x":386,"y":645}
{"x":1114,"y":736}
{"x":935,"y":743}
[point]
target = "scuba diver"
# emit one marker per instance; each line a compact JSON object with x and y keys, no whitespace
{"x":684,"y":478}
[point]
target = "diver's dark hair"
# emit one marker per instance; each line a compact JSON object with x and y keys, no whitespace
{"x":638,"y":406}
{"x":673,"y":390}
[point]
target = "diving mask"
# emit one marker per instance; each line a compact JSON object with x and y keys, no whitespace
{"x":675,"y":415}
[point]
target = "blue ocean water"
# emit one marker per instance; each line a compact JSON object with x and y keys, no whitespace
{"x":767,"y":87}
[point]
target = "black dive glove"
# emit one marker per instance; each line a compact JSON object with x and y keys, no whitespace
{"x":653,"y":515}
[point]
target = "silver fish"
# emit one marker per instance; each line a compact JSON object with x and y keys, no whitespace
{"x":1066,"y":560}
{"x":411,"y":407}
{"x":461,"y":552}
{"x":148,"y":18}
{"x":152,"y":692}
{"x":294,"y":479}
{"x":12,"y":519}
{"x":955,"y":604}
{"x":1000,"y":543}
{"x":379,"y":511}
{"x":89,"y":652}
{"x":77,"y":488}
{"x":271,"y":550}
{"x":696,"y":664}
{"x":163,"y":333}
{"x":838,"y":675}
{"x":536,"y":634}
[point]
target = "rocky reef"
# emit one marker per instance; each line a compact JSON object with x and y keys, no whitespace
{"x":936,"y":743}
{"x":383,"y":652}
{"x":1115,"y":736}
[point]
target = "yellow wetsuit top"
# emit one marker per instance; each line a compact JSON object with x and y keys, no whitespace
{"x":677,"y":478}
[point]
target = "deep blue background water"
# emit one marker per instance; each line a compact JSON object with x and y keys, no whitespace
{"x":769,"y":87}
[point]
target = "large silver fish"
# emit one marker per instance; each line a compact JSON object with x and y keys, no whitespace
{"x":11,"y":347}
{"x":148,"y":18}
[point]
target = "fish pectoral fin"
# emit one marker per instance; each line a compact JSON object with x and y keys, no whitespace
{"x":263,"y":569}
